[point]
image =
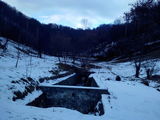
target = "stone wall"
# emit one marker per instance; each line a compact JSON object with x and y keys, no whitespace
{"x":87,"y":101}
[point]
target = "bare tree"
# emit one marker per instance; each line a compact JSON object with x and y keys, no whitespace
{"x":73,"y":57}
{"x":4,"y":44}
{"x":149,"y":67}
{"x":18,"y":51}
{"x":117,"y":21}
{"x":84,"y":62}
{"x":18,"y":56}
{"x":137,"y":63}
{"x":30,"y":63}
{"x":59,"y":57}
{"x":127,"y":19}
{"x":84,"y":23}
{"x":39,"y":44}
{"x":64,"y":56}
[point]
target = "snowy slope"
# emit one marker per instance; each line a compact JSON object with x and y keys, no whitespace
{"x":27,"y":67}
{"x":129,"y":99}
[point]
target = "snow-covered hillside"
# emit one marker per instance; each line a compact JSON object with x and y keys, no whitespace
{"x":129,"y":99}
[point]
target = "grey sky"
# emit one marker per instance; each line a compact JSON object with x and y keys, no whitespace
{"x":71,"y":12}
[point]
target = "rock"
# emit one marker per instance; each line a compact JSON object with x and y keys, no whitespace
{"x":118,"y":78}
{"x":145,"y":82}
{"x":158,"y":89}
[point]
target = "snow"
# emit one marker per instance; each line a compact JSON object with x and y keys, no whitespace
{"x":129,"y":99}
{"x":29,"y":98}
{"x":151,"y":43}
{"x":17,"y":112}
{"x":72,"y":87}
{"x":51,"y":82}
{"x":133,"y":101}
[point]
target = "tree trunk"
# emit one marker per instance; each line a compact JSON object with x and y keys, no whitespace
{"x":148,"y":74}
{"x":138,"y":67}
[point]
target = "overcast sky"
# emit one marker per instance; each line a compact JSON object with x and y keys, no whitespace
{"x":71,"y":12}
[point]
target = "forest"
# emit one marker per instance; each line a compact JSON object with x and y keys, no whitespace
{"x":124,"y":38}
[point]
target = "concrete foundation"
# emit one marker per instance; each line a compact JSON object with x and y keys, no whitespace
{"x":83,"y":99}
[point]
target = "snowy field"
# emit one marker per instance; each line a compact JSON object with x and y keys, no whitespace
{"x":129,"y":99}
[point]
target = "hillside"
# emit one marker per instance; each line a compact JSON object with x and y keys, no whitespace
{"x":46,"y":38}
{"x":129,"y":38}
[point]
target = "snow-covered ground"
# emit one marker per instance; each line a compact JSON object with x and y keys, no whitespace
{"x":129,"y":98}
